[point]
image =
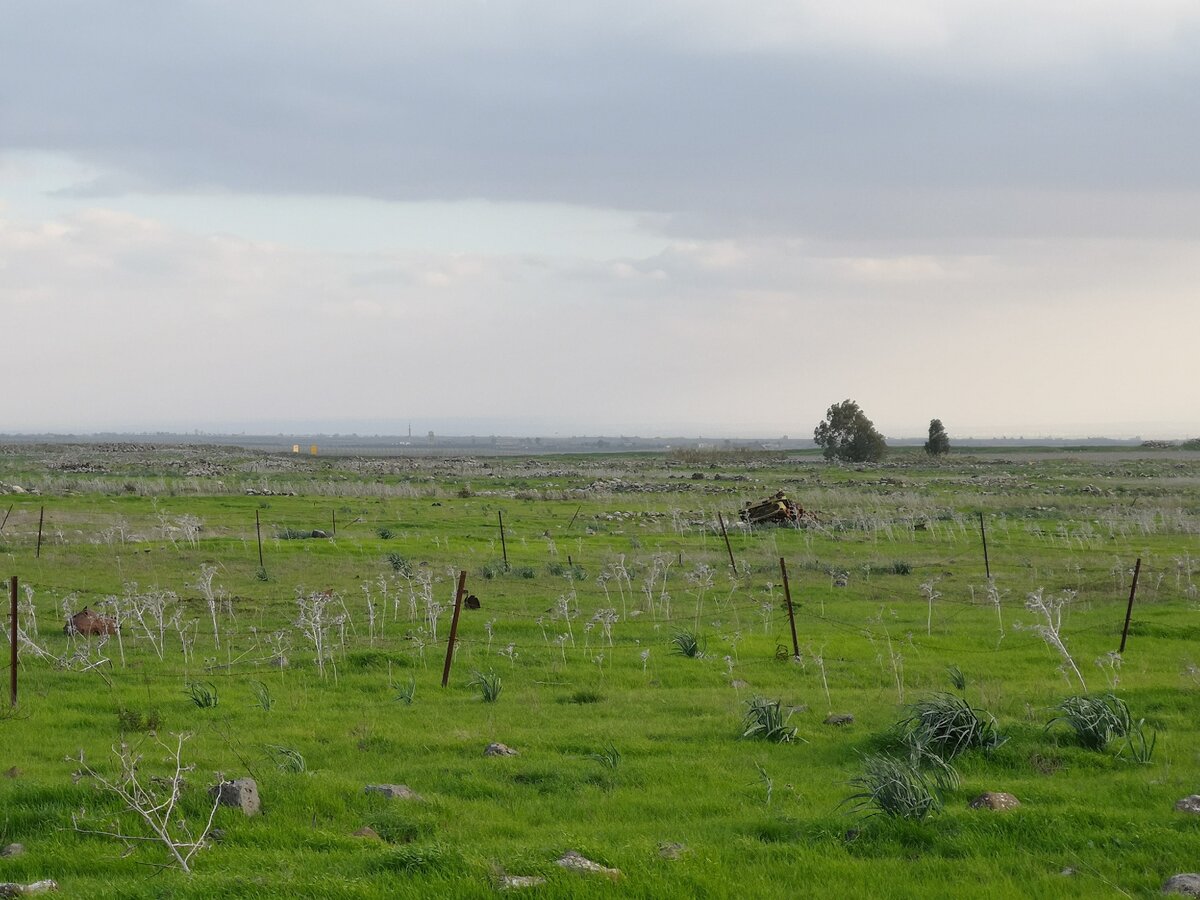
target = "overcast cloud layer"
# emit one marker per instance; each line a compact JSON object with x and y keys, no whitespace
{"x":601,"y":216}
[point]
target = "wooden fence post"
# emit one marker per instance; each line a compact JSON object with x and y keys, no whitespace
{"x":12,"y":656}
{"x":41,"y":518}
{"x":725,"y":534}
{"x":986,"y":566}
{"x":458,"y":598}
{"x":258,"y":531}
{"x":503,"y":545}
{"x":1129,"y":609}
{"x":787,"y":593}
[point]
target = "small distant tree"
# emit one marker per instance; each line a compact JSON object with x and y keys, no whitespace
{"x":847,"y":434}
{"x":939,"y":441}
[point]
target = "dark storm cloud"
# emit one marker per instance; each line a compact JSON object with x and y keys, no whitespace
{"x":294,"y":98}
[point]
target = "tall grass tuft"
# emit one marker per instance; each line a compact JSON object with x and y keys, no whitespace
{"x":688,"y":643}
{"x":957,"y":678}
{"x":406,"y":692}
{"x":609,"y":757}
{"x":488,"y":683}
{"x":262,"y":696}
{"x":203,"y":694}
{"x":1095,"y":720}
{"x":286,"y":759}
{"x":765,"y":720}
{"x":898,"y":788}
{"x":945,"y":726}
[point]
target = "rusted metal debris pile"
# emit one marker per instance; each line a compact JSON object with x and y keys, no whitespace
{"x":777,"y":510}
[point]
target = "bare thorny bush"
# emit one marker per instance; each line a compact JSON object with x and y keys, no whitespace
{"x":155,"y":800}
{"x":1049,"y":627}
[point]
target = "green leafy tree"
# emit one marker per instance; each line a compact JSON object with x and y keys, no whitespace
{"x":847,"y":434}
{"x":939,"y":441}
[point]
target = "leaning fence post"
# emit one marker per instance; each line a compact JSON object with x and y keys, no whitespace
{"x":41,"y":518}
{"x":12,"y":655}
{"x":1129,"y":609}
{"x":983,"y":532}
{"x":503,"y":545}
{"x":725,"y":534}
{"x":787,"y":593}
{"x":258,"y":531}
{"x":458,"y":597}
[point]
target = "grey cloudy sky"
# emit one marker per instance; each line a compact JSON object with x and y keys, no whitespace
{"x":646,"y":216}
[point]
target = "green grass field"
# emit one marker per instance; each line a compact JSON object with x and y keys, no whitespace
{"x":610,"y":560}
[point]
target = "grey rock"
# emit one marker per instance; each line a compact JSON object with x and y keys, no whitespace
{"x":995,"y":800}
{"x":839,"y":719}
{"x":672,"y":850}
{"x":497,"y":749}
{"x":1189,"y":804}
{"x":392,"y":791}
{"x":367,"y":832}
{"x":13,"y":850}
{"x":1186,"y":883}
{"x":12,"y":889}
{"x":516,"y":882}
{"x":241,"y":792}
{"x":577,"y":862}
{"x":14,"y":772}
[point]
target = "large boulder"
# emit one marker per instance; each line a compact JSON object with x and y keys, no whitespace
{"x":392,"y":791}
{"x":241,"y":792}
{"x":1189,"y":804}
{"x":577,"y":862}
{"x":1186,"y":883}
{"x":995,"y":800}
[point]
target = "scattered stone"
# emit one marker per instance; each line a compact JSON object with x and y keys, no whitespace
{"x":1067,"y":872}
{"x":672,"y":850}
{"x":1189,"y":804}
{"x":577,"y":862}
{"x":1186,"y":883}
{"x":995,"y":800}
{"x":216,"y":835}
{"x":393,"y":791}
{"x":516,"y":882}
{"x":241,"y":792}
{"x":12,"y":850}
{"x":14,"y":772}
{"x":278,"y":662}
{"x":318,"y":533}
{"x":839,"y":719}
{"x":367,"y":832}
{"x":12,"y":889}
{"x":841,"y":580}
{"x":738,"y":684}
{"x":496,"y":749}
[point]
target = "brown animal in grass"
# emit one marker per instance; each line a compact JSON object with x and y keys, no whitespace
{"x":86,"y":622}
